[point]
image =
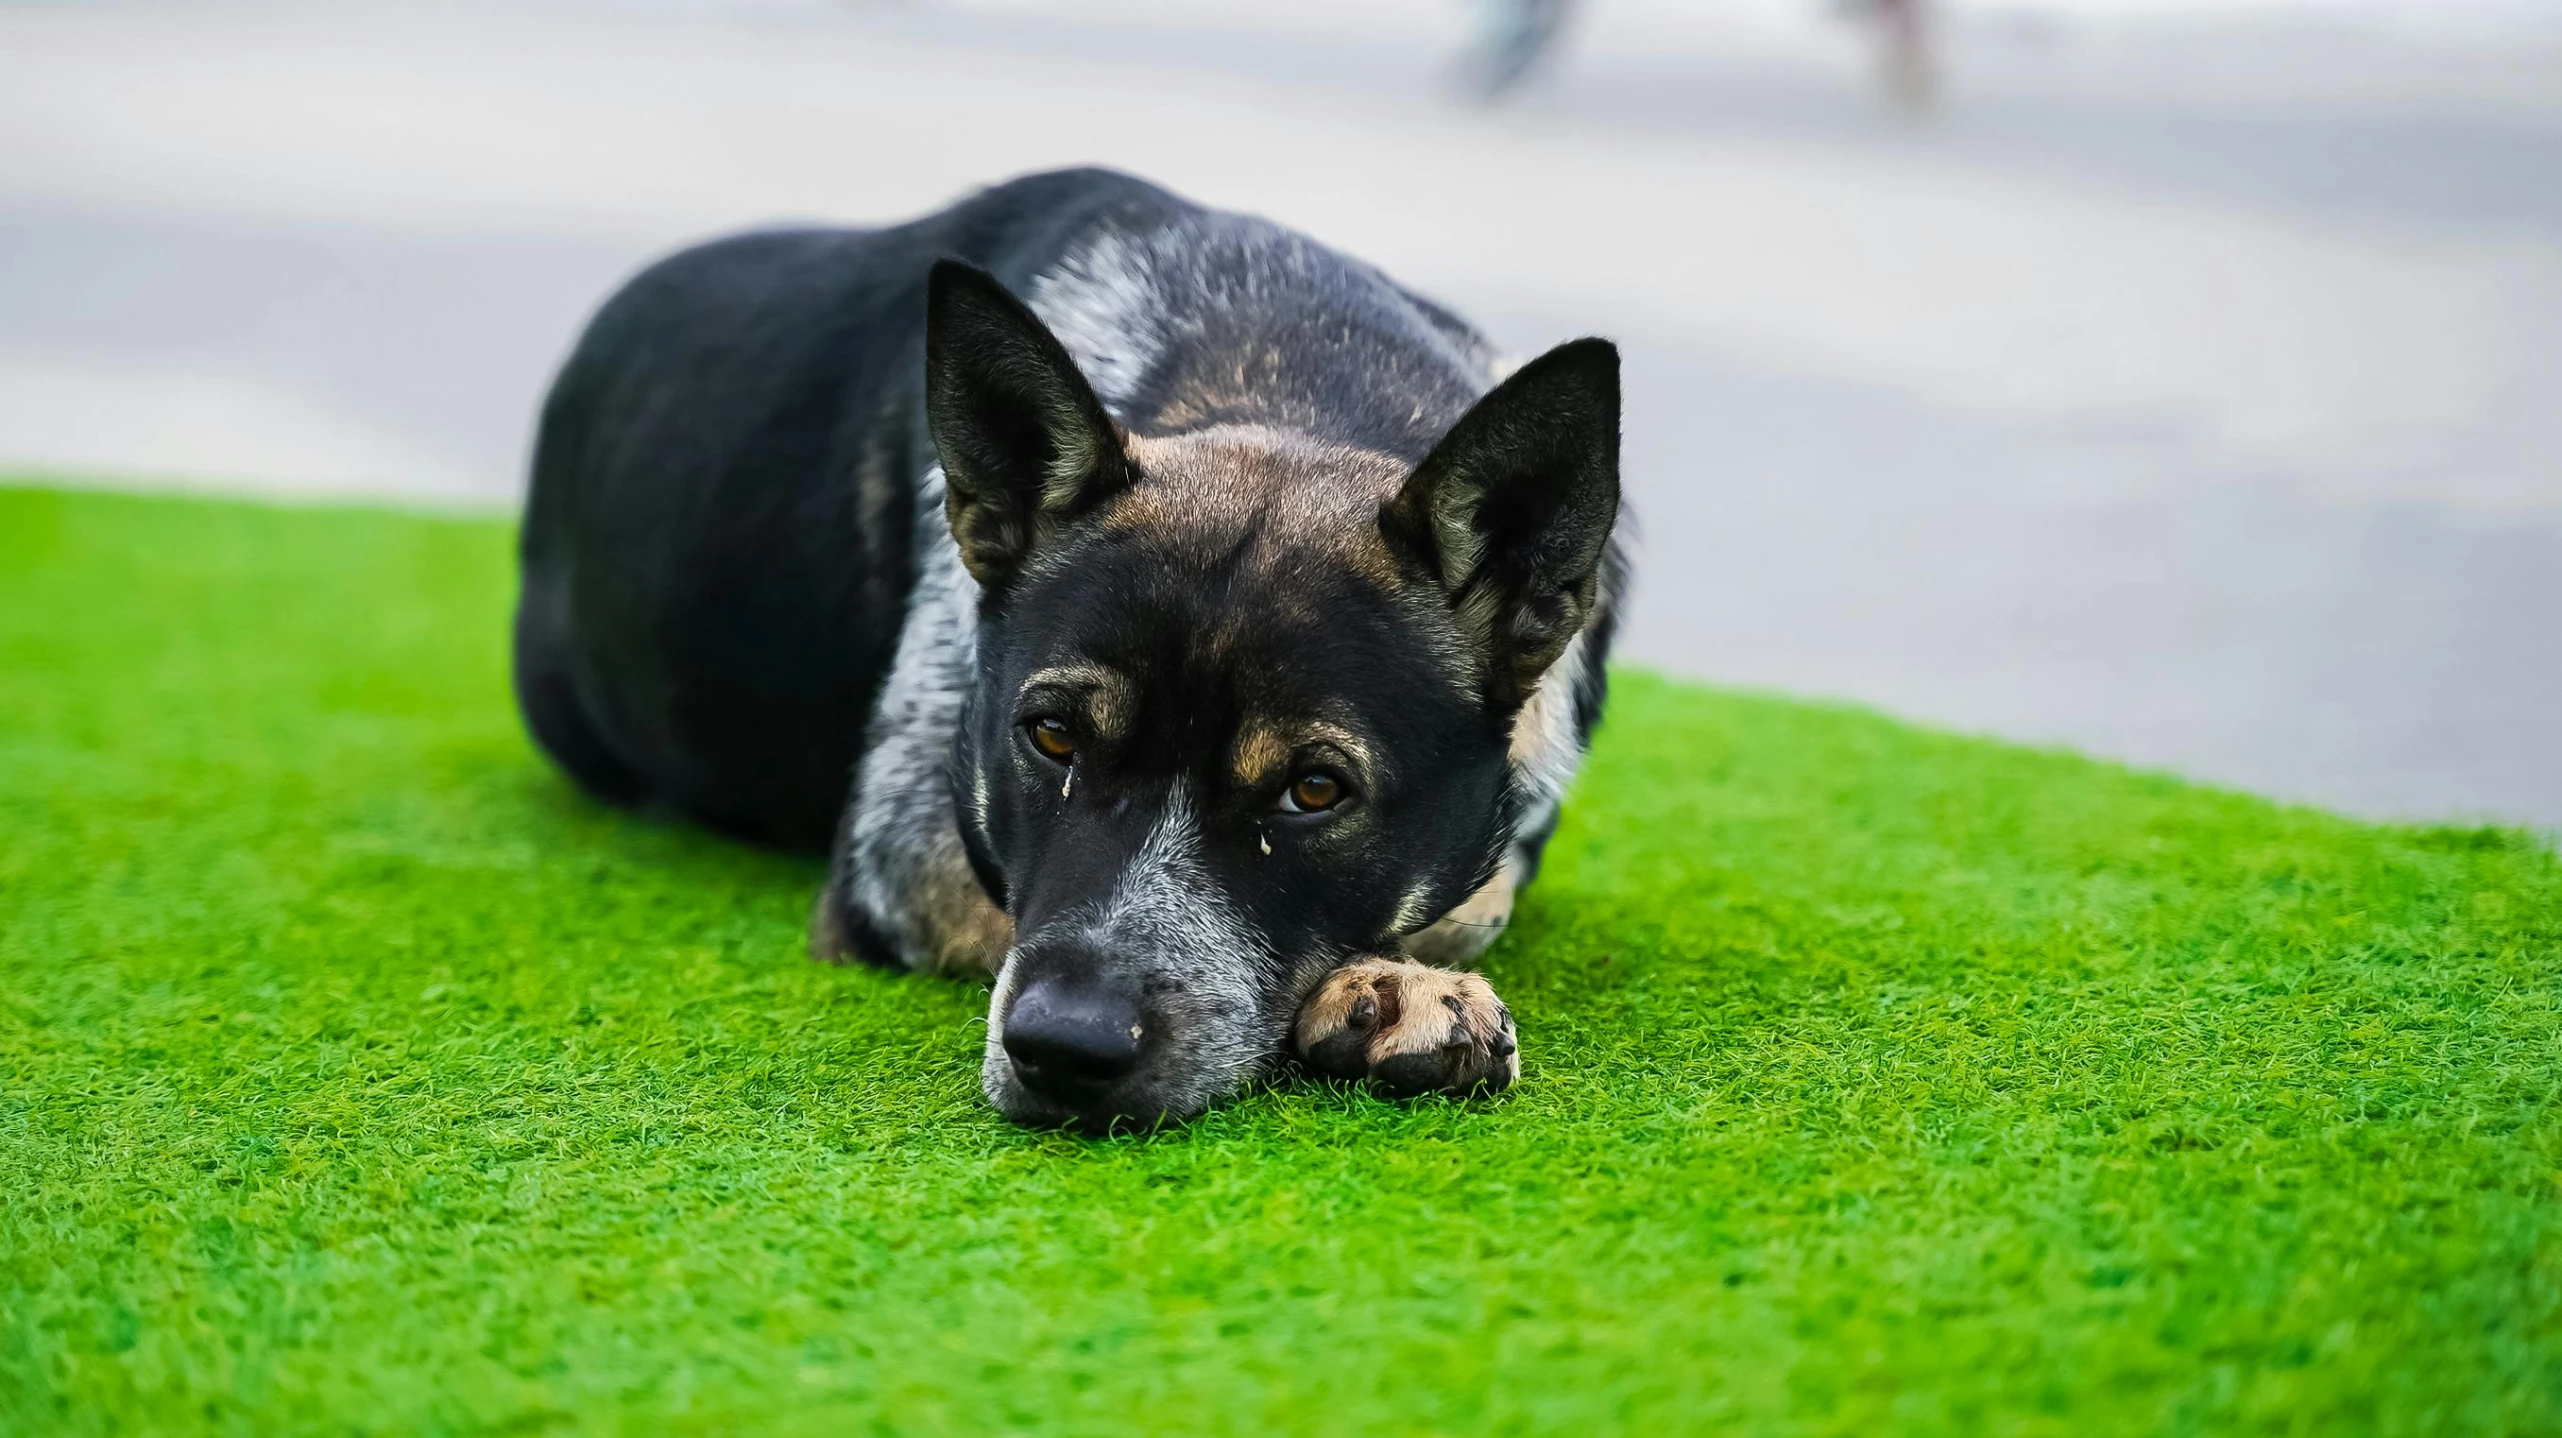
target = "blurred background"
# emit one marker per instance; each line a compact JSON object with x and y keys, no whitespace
{"x":2178,"y":380}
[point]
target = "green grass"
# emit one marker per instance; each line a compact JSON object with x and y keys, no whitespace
{"x":356,"y":1075}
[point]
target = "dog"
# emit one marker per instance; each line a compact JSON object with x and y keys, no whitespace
{"x":1209,"y":625}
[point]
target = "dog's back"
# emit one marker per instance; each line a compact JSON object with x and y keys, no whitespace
{"x":722,"y":531}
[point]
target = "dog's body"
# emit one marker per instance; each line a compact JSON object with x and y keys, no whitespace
{"x":1184,"y":645}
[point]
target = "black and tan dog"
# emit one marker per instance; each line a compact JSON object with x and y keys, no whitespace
{"x":1210,"y":633}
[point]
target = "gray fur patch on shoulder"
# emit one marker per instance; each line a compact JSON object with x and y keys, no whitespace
{"x":1120,"y":299}
{"x":1103,"y":304}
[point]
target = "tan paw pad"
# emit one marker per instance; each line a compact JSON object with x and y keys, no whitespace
{"x":1408,"y":1029}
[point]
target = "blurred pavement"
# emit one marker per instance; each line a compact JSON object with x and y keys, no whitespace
{"x":2188,"y":392}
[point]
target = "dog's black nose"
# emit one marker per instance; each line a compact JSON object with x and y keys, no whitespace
{"x":1071,"y":1041}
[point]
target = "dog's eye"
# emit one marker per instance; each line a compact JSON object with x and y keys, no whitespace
{"x":1052,"y":738}
{"x":1313,"y":793}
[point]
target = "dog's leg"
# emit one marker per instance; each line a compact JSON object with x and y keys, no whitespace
{"x":900,"y":892}
{"x":932,"y":915}
{"x":1457,"y":938}
{"x":1409,"y":1029}
{"x":1547,"y":747}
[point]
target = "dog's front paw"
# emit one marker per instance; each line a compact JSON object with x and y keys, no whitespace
{"x":1409,"y":1029}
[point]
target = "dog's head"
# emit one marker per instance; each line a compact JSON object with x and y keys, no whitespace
{"x":1244,"y":700}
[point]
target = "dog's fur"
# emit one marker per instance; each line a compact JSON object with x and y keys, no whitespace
{"x":1213,"y":504}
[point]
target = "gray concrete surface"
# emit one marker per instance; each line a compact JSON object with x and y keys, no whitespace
{"x":2183,"y":393}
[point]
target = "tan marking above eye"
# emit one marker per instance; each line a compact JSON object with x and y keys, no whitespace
{"x":1270,"y":752}
{"x":1053,"y":739}
{"x":1259,"y":755}
{"x":1096,"y":699}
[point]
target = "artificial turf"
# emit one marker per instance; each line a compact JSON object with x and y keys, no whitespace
{"x":356,"y":1075}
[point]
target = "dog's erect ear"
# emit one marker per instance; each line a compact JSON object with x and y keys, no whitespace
{"x":1512,"y":511}
{"x":1026,"y":446}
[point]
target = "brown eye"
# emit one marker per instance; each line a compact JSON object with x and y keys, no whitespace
{"x":1053,"y":740}
{"x":1315,"y":791}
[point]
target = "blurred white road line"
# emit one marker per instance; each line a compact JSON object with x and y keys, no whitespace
{"x":2273,"y":343}
{"x":214,"y":430}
